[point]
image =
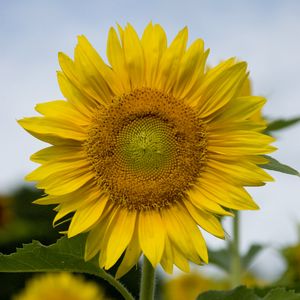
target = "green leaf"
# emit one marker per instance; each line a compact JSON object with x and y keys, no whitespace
{"x":243,"y":293}
{"x":275,"y":165}
{"x":65,"y":255}
{"x":281,"y":294}
{"x":281,"y":124}
{"x":238,"y":293}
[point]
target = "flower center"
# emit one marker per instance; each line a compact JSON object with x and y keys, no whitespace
{"x":147,"y":148}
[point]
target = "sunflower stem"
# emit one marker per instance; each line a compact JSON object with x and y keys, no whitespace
{"x":236,"y":270}
{"x":119,"y":287}
{"x":147,"y":281}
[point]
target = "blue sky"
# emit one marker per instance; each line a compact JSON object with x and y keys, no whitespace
{"x":264,"y":33}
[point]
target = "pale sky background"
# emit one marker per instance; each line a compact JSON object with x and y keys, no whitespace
{"x":266,"y":34}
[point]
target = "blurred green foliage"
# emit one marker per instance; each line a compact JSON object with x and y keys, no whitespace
{"x":280,"y":124}
{"x":243,"y":293}
{"x":21,"y":222}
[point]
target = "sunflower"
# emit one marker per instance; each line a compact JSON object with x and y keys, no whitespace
{"x":148,"y":148}
{"x":60,"y":286}
{"x":189,"y":286}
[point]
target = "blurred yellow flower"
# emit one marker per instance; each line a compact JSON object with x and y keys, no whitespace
{"x":189,"y":286}
{"x":250,"y":280}
{"x":60,"y":286}
{"x":148,"y":148}
{"x":292,"y":274}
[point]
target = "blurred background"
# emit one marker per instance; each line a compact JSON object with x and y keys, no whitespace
{"x":263,"y":33}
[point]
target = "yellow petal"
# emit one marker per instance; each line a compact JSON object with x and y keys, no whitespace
{"x":104,"y":70}
{"x":154,"y":43}
{"x":121,"y":33}
{"x":167,"y":260}
{"x":132,"y":254}
{"x":226,"y":194}
{"x":196,"y":235}
{"x":51,"y":168}
{"x":258,"y":160}
{"x":206,"y":220}
{"x":82,"y":196}
{"x":54,"y":127}
{"x":87,"y":216}
{"x":204,"y":200}
{"x":88,"y":74}
{"x":180,"y":261}
{"x":232,"y":125}
{"x":82,"y":102}
{"x":74,"y":201}
{"x":64,"y":209}
{"x":240,"y":142}
{"x":120,"y":233}
{"x":76,"y":72}
{"x":246,"y":88}
{"x":241,"y":108}
{"x":65,"y":182}
{"x":58,"y":153}
{"x":242,"y":172}
{"x":181,"y":233}
{"x":116,"y":58}
{"x":152,"y":235}
{"x":212,"y":73}
{"x":62,"y":110}
{"x":49,"y":199}
{"x":95,"y":241}
{"x":221,"y":90}
{"x":53,"y":139}
{"x":170,"y":61}
{"x":134,"y":57}
{"x":112,"y":212}
{"x":190,"y":70}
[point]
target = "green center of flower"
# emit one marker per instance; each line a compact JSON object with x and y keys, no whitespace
{"x":146,"y":145}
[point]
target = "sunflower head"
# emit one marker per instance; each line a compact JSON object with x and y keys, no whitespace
{"x":148,"y":147}
{"x":149,"y":139}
